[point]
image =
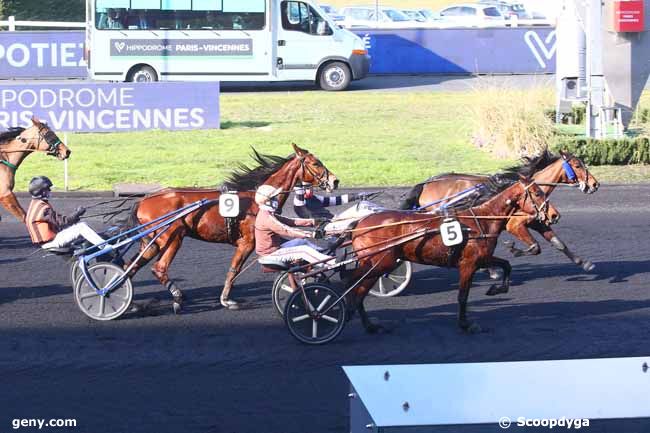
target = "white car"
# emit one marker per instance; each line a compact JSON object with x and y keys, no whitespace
{"x":372,"y":17}
{"x":472,"y":15}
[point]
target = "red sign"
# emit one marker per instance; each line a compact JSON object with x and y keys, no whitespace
{"x":628,"y":16}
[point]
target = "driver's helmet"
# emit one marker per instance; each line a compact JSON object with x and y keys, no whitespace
{"x":40,"y":186}
{"x":267,"y":195}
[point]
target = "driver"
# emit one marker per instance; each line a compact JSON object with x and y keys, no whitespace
{"x":272,"y":231}
{"x":49,"y":229}
{"x":306,"y":204}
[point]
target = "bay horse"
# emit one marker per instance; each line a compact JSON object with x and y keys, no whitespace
{"x":547,"y":170}
{"x":16,"y":144}
{"x":208,"y":225}
{"x":485,"y":222}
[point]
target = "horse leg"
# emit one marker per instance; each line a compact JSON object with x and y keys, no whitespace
{"x":244,"y":249}
{"x":505,"y":282}
{"x":466,"y":275}
{"x":518,"y":228}
{"x":548,"y":234}
{"x":160,"y":268}
{"x":9,"y":202}
{"x":147,"y":256}
{"x":361,"y":291}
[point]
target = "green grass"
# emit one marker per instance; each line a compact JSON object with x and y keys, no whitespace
{"x":366,"y":139}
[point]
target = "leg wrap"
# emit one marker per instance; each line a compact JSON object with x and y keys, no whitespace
{"x":175,"y":291}
{"x":232,"y":270}
{"x":558,"y":243}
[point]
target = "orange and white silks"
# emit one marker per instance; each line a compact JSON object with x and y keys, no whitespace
{"x":39,"y":229}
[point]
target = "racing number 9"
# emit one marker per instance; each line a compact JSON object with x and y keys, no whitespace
{"x":229,"y":205}
{"x":451,"y":232}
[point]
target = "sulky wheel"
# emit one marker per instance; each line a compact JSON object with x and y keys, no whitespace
{"x":282,"y":290}
{"x":75,"y":272}
{"x":394,"y":283}
{"x":113,"y":304}
{"x":307,"y":318}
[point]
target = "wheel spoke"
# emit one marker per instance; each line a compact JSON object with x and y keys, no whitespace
{"x":382,"y":289}
{"x":314,"y":329}
{"x":88,"y":295}
{"x":396,"y":278}
{"x":322,"y":304}
{"x":300,"y":318}
{"x":330,"y":319}
{"x":102,"y":304}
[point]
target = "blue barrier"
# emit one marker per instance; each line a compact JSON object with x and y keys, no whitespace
{"x":103,"y":107}
{"x":461,"y":51}
{"x":58,"y":54}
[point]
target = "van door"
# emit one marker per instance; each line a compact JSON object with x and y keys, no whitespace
{"x":305,"y":38}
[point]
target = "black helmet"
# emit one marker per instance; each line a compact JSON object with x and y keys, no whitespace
{"x":38,"y":186}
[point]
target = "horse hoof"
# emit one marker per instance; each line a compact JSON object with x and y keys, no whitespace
{"x":230,"y":304}
{"x":177,"y":307}
{"x":588,"y":266}
{"x":474,"y":328}
{"x":494,"y":290}
{"x":374,"y":329}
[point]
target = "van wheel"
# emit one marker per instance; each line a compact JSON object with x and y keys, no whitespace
{"x":142,"y":74}
{"x":335,"y":76}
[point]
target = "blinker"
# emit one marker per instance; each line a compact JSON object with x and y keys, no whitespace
{"x":569,"y":171}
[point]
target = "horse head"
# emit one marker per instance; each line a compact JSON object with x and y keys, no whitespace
{"x":314,"y":172}
{"x":39,"y":137}
{"x":576,"y":172}
{"x":529,"y":198}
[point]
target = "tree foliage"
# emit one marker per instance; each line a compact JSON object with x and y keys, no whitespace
{"x":43,"y":10}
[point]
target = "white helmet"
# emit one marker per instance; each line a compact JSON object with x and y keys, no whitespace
{"x":265,"y":193}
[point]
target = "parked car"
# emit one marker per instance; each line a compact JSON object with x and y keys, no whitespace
{"x":509,"y":10}
{"x":332,"y":12}
{"x":370,"y":16}
{"x":415,"y":15}
{"x":473,"y":15}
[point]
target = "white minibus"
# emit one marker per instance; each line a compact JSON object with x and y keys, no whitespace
{"x":224,"y":40}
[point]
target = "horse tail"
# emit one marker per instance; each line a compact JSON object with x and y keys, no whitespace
{"x":412,"y":199}
{"x":132,"y":219}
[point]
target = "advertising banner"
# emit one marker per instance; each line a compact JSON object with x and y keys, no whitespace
{"x":522,"y":50}
{"x":55,"y":54}
{"x":461,"y":51}
{"x":109,"y":107}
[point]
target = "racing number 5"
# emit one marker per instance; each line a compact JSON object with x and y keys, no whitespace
{"x":451,"y":232}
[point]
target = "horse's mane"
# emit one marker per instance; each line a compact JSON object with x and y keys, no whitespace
{"x":484,"y":192}
{"x":247,"y":178}
{"x":528,"y":166}
{"x":10,"y":134}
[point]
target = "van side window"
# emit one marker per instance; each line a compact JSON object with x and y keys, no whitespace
{"x":301,"y":17}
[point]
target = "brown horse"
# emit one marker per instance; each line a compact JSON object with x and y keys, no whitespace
{"x":547,"y":170}
{"x":15,"y":145}
{"x":208,"y":225}
{"x":485,"y":222}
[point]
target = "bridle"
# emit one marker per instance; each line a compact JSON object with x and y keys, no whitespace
{"x":50,"y":138}
{"x":541,"y":211}
{"x":321,"y":179}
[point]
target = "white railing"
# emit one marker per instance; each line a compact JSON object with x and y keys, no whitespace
{"x":11,"y":24}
